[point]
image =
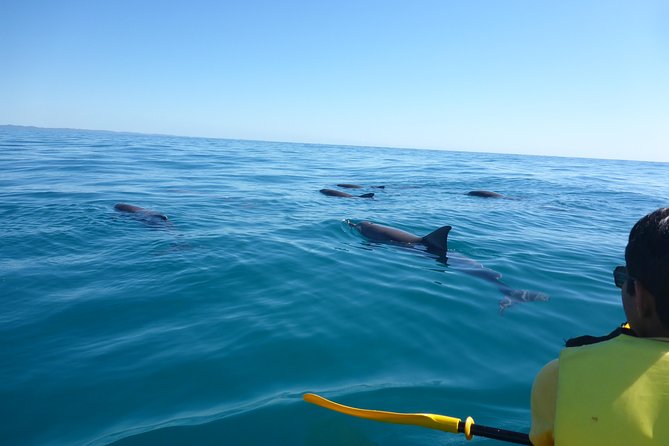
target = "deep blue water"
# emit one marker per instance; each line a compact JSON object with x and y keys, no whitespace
{"x":208,"y":329}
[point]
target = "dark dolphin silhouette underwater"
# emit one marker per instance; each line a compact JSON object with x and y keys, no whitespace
{"x":357,"y":186}
{"x":337,"y":193}
{"x":437,"y":243}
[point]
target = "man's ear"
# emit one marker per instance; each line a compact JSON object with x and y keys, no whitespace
{"x":644,"y":301}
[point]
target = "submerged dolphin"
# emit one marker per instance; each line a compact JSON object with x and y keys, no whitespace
{"x":437,"y":243}
{"x":484,"y":194}
{"x":337,"y":193}
{"x":356,"y":186}
{"x":144,"y":214}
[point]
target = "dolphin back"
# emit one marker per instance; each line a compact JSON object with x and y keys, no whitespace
{"x":335,"y":193}
{"x":437,"y":241}
{"x":338,"y":193}
{"x":484,"y":194}
{"x":125,"y":207}
{"x":132,"y":209}
{"x":381,"y":233}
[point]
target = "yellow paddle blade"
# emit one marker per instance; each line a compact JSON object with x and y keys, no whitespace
{"x":431,"y":421}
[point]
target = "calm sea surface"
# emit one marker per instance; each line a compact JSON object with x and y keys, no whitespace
{"x":207,"y":329}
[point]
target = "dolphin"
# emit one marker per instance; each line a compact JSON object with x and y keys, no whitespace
{"x":435,"y":240}
{"x":484,"y":194}
{"x":336,"y":193}
{"x":144,"y":214}
{"x":356,"y":186}
{"x":437,"y":243}
{"x":155,"y":220}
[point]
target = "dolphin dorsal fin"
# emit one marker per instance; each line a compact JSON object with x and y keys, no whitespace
{"x":370,"y":195}
{"x":438,"y":240}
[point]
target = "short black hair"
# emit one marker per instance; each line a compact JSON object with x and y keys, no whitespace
{"x":647,"y":258}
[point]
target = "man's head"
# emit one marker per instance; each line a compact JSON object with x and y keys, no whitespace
{"x":647,"y":258}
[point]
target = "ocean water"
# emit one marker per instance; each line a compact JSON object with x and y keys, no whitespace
{"x":207,"y":329}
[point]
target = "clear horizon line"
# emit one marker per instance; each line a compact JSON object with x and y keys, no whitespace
{"x":483,"y":151}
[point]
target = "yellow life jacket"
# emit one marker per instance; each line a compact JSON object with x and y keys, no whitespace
{"x":615,"y":392}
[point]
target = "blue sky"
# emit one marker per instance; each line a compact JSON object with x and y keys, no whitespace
{"x":567,"y":78}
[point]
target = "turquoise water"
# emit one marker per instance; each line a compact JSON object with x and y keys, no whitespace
{"x":209,"y":328}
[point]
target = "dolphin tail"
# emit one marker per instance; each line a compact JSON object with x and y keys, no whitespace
{"x":370,"y":195}
{"x":437,"y":241}
{"x":512,"y":296}
{"x":504,"y":303}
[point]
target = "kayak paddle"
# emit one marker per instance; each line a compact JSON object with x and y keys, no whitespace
{"x":431,"y":421}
